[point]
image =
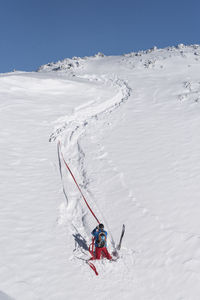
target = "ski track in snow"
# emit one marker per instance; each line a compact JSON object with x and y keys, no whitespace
{"x":70,"y":134}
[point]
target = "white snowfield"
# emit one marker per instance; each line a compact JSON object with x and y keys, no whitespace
{"x":129,"y":128}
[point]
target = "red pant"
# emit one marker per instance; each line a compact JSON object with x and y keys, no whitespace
{"x":102,"y":251}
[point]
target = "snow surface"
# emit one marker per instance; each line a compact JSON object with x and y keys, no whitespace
{"x":129,"y":128}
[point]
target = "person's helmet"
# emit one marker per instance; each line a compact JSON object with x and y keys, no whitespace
{"x":101,"y":226}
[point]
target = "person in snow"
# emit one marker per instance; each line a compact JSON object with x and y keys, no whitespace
{"x":100,"y":236}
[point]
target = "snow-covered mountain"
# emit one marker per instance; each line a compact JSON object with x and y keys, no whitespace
{"x":128,"y":127}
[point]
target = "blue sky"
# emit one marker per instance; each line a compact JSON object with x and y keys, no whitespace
{"x":35,"y":32}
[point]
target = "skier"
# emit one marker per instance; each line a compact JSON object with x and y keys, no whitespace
{"x":100,"y":236}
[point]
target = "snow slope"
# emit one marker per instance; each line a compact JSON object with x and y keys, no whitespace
{"x":129,"y":129}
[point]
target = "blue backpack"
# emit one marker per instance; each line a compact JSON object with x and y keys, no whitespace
{"x":101,"y":242}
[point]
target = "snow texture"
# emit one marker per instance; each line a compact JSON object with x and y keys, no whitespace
{"x":129,"y":129}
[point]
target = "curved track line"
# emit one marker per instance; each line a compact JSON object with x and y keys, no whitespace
{"x":71,"y":131}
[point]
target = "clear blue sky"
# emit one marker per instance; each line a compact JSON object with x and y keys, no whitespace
{"x":35,"y":32}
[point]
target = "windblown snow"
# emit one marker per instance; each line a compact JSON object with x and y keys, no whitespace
{"x":129,"y":128}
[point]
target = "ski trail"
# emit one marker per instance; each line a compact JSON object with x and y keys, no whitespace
{"x":69,"y":132}
{"x":92,"y":110}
